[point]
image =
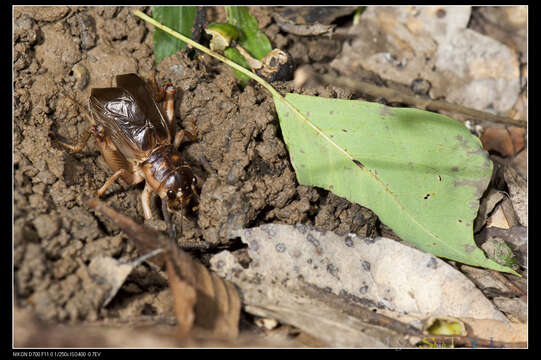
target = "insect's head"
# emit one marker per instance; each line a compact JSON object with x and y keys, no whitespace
{"x":180,"y":188}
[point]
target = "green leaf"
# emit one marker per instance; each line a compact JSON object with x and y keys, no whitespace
{"x":363,"y":183}
{"x":421,"y":173}
{"x":179,"y":18}
{"x":235,"y":55}
{"x":250,"y":36}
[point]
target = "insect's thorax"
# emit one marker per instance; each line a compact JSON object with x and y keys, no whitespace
{"x":163,"y":170}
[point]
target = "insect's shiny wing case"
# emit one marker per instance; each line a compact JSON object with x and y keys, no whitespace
{"x":144,"y":97}
{"x":134,"y":124}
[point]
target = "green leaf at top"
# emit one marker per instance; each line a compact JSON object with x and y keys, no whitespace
{"x":421,"y":173}
{"x":250,"y":36}
{"x":178,"y":18}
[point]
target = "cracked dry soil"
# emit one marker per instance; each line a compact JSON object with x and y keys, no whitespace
{"x":251,"y":181}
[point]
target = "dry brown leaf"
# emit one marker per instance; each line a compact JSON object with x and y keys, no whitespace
{"x":184,"y":300}
{"x":30,"y":332}
{"x":505,"y":141}
{"x":518,"y":188}
{"x":498,"y":140}
{"x":488,"y":203}
{"x":516,"y":237}
{"x":402,"y":44}
{"x":217,"y":302}
{"x":517,"y":138}
{"x":301,"y":29}
{"x":496,"y":330}
{"x":110,"y":274}
{"x":505,"y":24}
{"x":520,"y":163}
{"x":499,"y":219}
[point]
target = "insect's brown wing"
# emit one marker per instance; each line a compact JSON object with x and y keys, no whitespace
{"x":132,"y":120}
{"x":144,"y":96}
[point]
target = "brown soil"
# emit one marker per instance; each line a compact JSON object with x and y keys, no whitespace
{"x":251,"y":180}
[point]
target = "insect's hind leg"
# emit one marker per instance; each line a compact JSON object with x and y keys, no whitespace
{"x":110,"y":181}
{"x":78,"y":144}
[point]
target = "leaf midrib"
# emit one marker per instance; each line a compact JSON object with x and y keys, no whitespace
{"x":378,"y":180}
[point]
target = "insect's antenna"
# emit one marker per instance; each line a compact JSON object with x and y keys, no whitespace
{"x":167,"y":218}
{"x":181,"y":219}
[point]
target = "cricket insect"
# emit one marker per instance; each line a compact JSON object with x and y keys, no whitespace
{"x":137,"y":138}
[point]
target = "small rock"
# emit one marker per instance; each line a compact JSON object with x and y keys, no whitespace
{"x":47,"y":225}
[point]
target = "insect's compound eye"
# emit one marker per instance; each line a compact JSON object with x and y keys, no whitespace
{"x":171,"y":194}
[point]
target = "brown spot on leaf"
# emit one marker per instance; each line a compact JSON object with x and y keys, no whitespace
{"x":358,"y":163}
{"x":441,"y":13}
{"x":479,"y":185}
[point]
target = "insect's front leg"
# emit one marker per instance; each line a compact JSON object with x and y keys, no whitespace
{"x":179,"y":136}
{"x":169,"y":104}
{"x":145,"y":201}
{"x":167,"y":95}
{"x":169,"y":110}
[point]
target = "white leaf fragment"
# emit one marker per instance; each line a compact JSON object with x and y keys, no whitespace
{"x":376,"y":272}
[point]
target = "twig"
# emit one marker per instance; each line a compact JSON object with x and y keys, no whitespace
{"x":360,"y":312}
{"x":508,"y":283}
{"x":370,"y":317}
{"x":305,"y":73}
{"x":473,"y":342}
{"x":301,"y":30}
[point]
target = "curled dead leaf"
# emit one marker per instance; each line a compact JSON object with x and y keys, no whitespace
{"x":185,"y":299}
{"x":505,"y":141}
{"x":201,"y":298}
